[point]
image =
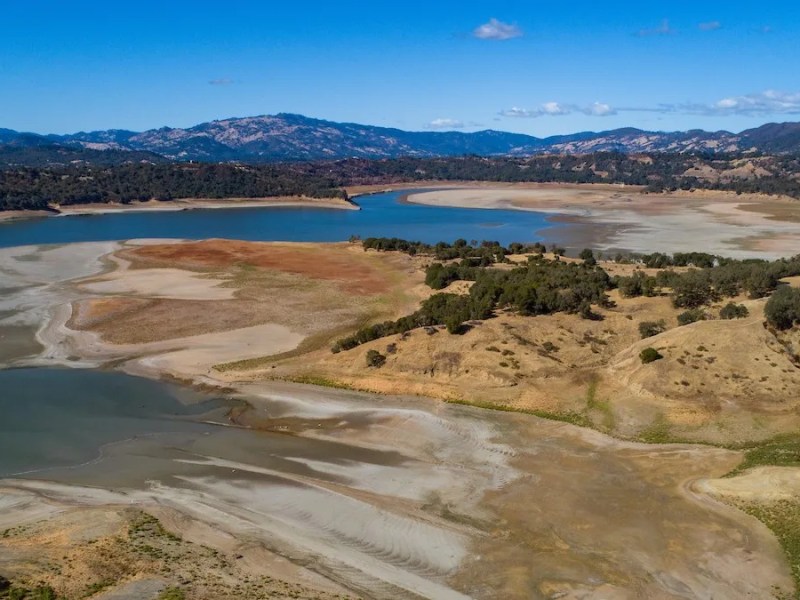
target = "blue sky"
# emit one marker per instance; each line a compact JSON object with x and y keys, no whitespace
{"x":540,"y":68}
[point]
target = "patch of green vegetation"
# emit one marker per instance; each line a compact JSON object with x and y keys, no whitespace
{"x":572,"y":417}
{"x":783,"y":519}
{"x":658,"y":432}
{"x":97,"y":587}
{"x":780,"y":451}
{"x":649,"y":355}
{"x":319,"y":381}
{"x":172,"y":593}
{"x":375,"y":359}
{"x":144,"y":524}
{"x":650,"y":328}
{"x":13,"y":592}
{"x":603,"y":406}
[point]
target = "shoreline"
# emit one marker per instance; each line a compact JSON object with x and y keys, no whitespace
{"x":180,"y":205}
{"x":728,"y":224}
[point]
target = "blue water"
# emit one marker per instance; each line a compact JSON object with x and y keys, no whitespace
{"x":381,"y":215}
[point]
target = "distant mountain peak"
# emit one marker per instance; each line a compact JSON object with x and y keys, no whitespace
{"x":295,"y":137}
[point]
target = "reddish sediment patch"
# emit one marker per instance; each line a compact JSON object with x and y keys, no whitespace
{"x":333,"y":264}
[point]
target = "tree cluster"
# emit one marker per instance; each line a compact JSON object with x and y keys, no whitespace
{"x":537,"y":287}
{"x":32,"y":188}
{"x":783,"y":308}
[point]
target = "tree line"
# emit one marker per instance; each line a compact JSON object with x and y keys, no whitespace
{"x":32,"y":188}
{"x":538,"y":286}
{"x":546,"y":286}
{"x":22,"y":188}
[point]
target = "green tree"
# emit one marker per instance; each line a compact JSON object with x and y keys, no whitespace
{"x":650,"y":328}
{"x":649,"y":355}
{"x":691,"y":316}
{"x":733,"y":311}
{"x":375,"y":359}
{"x":783,"y":308}
{"x":587,"y":256}
{"x":691,"y":290}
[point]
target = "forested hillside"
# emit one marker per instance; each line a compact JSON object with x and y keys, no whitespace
{"x":29,"y":189}
{"x":35,"y":188}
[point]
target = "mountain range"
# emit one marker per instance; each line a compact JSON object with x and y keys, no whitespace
{"x":290,"y":137}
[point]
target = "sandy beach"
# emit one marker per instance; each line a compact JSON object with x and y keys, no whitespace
{"x":617,"y":218}
{"x":179,"y":205}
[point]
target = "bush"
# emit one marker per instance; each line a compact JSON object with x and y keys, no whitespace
{"x":587,"y":256}
{"x":375,"y":359}
{"x":783,"y":308}
{"x":172,"y":593}
{"x":637,"y":284}
{"x":650,"y":328}
{"x":649,"y":355}
{"x":691,"y":290}
{"x":691,"y":316}
{"x":733,"y":311}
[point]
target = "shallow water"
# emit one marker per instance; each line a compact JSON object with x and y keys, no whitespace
{"x":381,"y":215}
{"x":17,"y":341}
{"x":64,"y":417}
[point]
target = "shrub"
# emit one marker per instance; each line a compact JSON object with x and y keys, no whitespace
{"x":650,"y":328}
{"x":549,"y":347}
{"x":733,"y":311}
{"x":454,"y":325}
{"x":637,"y":284}
{"x":172,"y":593}
{"x":691,"y":290}
{"x":587,"y":256}
{"x":783,"y":308}
{"x":375,"y":359}
{"x":691,"y":316}
{"x":649,"y":355}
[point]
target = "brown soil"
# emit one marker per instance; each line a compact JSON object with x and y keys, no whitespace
{"x":337,"y":264}
{"x":314,"y":290}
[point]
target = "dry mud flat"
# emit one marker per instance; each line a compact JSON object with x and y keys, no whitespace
{"x":375,"y":496}
{"x":400,"y":498}
{"x":616,"y":217}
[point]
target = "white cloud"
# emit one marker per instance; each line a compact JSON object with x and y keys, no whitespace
{"x":497,"y":30}
{"x":710,"y":26}
{"x":549,"y":109}
{"x":445,"y":124}
{"x":770,"y":102}
{"x":222,"y":81}
{"x":557,"y":109}
{"x":519,"y":113}
{"x":663,"y":29}
{"x":600,"y":109}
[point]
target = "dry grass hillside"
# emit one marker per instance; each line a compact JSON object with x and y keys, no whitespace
{"x":721,"y":381}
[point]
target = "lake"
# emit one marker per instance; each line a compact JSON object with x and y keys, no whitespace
{"x":64,"y":417}
{"x":381,"y":215}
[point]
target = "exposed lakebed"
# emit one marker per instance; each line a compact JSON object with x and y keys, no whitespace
{"x":391,"y":497}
